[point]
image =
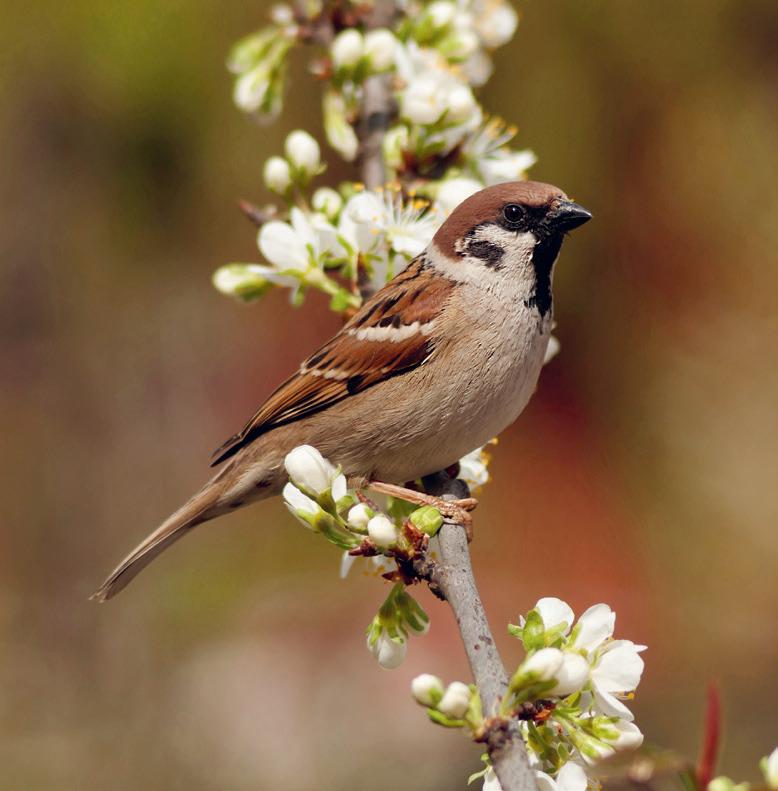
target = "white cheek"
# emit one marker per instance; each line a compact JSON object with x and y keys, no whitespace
{"x":514,"y":274}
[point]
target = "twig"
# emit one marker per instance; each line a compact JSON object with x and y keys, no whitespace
{"x":376,"y":111}
{"x":454,"y":576}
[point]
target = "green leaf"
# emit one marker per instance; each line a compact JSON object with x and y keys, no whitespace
{"x":441,"y":719}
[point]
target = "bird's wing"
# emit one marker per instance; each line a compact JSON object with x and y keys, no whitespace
{"x":389,"y":335}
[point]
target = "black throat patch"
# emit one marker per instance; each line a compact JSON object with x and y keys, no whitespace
{"x":543,"y":257}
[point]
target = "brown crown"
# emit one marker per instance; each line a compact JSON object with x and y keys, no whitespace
{"x":487,"y":205}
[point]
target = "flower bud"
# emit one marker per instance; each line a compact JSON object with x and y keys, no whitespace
{"x":358,"y":517}
{"x":347,"y":48}
{"x":441,"y":13}
{"x":453,"y":191}
{"x":390,"y":652}
{"x":241,"y":280}
{"x":309,"y":470}
{"x":427,"y":689}
{"x":396,"y":141}
{"x":380,"y":46}
{"x":427,"y":519}
{"x":461,"y":104}
{"x":302,"y":506}
{"x":303,"y":151}
{"x":340,"y":134}
{"x":497,"y":26}
{"x":327,"y":201}
{"x":629,"y":738}
{"x":543,"y":664}
{"x":571,"y":675}
{"x":277,"y":174}
{"x":282,"y":14}
{"x":382,"y":531}
{"x":455,"y":701}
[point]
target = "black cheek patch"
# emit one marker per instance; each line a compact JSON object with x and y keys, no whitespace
{"x":488,"y":252}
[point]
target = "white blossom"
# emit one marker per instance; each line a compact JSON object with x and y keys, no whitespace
{"x":455,"y":701}
{"x":543,"y":664}
{"x":453,"y":191}
{"x":309,"y":470}
{"x":427,"y":689}
{"x":571,"y":676}
{"x":382,"y":531}
{"x":491,"y":782}
{"x":277,"y":175}
{"x":617,"y":672}
{"x":295,"y":246}
{"x":571,"y":777}
{"x":347,"y":48}
{"x":377,"y":565}
{"x":595,"y":626}
{"x":303,"y":151}
{"x":554,"y":612}
{"x":505,"y":165}
{"x":380,"y":46}
{"x":474,"y":470}
{"x":370,"y":218}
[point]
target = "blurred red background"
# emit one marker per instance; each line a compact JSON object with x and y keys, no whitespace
{"x":643,"y":473}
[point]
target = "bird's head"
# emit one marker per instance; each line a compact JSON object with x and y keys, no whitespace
{"x":514,"y":229}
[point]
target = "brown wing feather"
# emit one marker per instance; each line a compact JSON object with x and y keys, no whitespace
{"x":351,"y":362}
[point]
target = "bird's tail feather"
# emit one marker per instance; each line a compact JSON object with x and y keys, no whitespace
{"x":201,"y":508}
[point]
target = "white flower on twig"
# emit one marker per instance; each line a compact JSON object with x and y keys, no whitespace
{"x":571,"y":777}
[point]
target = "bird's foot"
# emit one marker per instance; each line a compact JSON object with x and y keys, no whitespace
{"x":452,"y":511}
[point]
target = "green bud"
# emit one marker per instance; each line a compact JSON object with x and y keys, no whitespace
{"x":427,"y":519}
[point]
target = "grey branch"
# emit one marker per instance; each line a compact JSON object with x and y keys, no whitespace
{"x":454,"y":576}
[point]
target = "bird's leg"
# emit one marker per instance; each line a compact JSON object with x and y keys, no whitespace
{"x":457,"y":511}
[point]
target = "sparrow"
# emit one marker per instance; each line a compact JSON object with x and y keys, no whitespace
{"x":437,"y":362}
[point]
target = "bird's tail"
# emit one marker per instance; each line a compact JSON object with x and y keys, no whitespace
{"x":200,"y":508}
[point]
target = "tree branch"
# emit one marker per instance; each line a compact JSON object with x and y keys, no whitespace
{"x":454,"y":576}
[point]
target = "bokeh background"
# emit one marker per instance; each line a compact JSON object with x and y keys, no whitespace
{"x":643,"y":474}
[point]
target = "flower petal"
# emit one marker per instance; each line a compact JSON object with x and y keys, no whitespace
{"x":281,"y":245}
{"x":595,"y":626}
{"x":611,"y":706}
{"x":571,"y":777}
{"x":554,"y":611}
{"x":620,"y":667}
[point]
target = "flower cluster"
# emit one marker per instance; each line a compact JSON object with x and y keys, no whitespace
{"x":440,"y":146}
{"x":567,"y":695}
{"x":392,"y":539}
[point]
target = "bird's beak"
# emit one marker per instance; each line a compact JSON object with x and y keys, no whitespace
{"x":568,"y":215}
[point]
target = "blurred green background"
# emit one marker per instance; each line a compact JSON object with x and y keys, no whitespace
{"x":643,"y":474}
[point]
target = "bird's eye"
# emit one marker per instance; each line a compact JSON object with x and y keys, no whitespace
{"x":513,"y":213}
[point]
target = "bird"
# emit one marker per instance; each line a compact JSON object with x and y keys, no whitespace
{"x":437,"y":362}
